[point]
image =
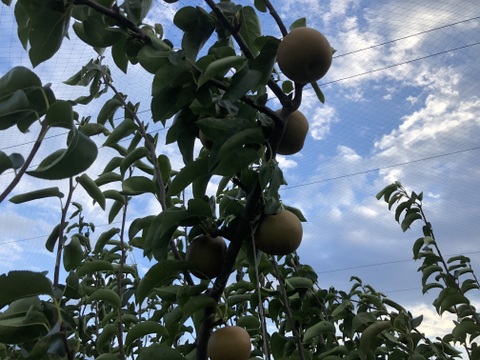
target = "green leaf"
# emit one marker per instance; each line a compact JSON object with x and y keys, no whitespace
{"x":187,"y":175}
{"x":318,"y":92}
{"x":15,"y":109}
{"x":164,"y":225}
{"x":108,"y":110}
{"x":115,"y":209}
{"x":298,"y":282}
{"x":322,"y":327}
{"x":107,"y":178}
{"x":197,"y":303}
{"x":250,"y":323}
{"x":60,"y":114}
{"x":302,"y":22}
{"x":260,"y":5}
{"x":73,"y":254}
{"x":220,"y":67}
{"x":37,"y":194}
{"x":234,"y":162}
{"x":198,"y":28}
{"x":287,"y":86}
{"x":152,"y":59}
{"x":132,"y":157}
{"x":92,"y":189}
{"x":105,"y":295}
{"x":126,"y":128}
{"x":105,"y":337}
{"x":48,"y":28}
{"x":136,"y":185}
{"x":140,"y":330}
{"x":429,"y":270}
{"x":94,"y":32}
{"x":21,"y":284}
{"x":52,"y":239}
{"x":186,"y":18}
{"x":369,"y":335}
{"x":386,"y":192}
{"x":164,"y":270}
{"x":466,"y":326}
{"x":12,"y":161}
{"x":158,"y":351}
{"x":93,"y":266}
{"x":409,"y":219}
{"x":103,"y":239}
{"x":183,"y":131}
{"x":80,"y":154}
{"x":91,"y":129}
{"x":24,"y":328}
{"x":18,"y":78}
{"x":250,"y":28}
{"x":120,"y":58}
{"x":243,"y":81}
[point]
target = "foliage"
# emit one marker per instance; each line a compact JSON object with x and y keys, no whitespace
{"x":217,"y":81}
{"x":454,"y":277}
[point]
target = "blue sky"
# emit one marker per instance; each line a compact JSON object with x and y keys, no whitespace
{"x":402,"y":96}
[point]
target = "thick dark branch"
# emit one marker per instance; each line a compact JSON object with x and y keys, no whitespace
{"x":276,"y":17}
{"x":245,"y":49}
{"x":122,"y":20}
{"x":242,"y":232}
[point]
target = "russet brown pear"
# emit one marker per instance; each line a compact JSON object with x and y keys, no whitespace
{"x":229,"y":343}
{"x":279,"y":234}
{"x":295,"y":133}
{"x":304,"y":55}
{"x":207,"y":254}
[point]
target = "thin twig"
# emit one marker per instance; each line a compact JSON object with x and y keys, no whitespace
{"x":61,"y":240}
{"x":151,"y":147}
{"x":122,"y":20}
{"x":261,"y":310}
{"x":43,"y":131}
{"x":276,"y":17}
{"x":283,"y":292}
{"x":123,"y":259}
{"x":282,"y":97}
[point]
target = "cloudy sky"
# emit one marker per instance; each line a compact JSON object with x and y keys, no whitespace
{"x":402,"y":104}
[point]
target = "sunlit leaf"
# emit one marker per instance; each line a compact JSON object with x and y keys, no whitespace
{"x":80,"y":154}
{"x":21,"y":284}
{"x":140,"y":330}
{"x":162,"y":271}
{"x":103,"y":239}
{"x":73,"y":254}
{"x":105,"y":295}
{"x":322,"y":327}
{"x":37,"y":194}
{"x":92,"y":189}
{"x":48,"y":30}
{"x":136,"y":185}
{"x":187,"y":175}
{"x":94,"y":266}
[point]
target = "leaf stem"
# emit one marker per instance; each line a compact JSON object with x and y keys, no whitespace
{"x":43,"y":131}
{"x":283,"y":292}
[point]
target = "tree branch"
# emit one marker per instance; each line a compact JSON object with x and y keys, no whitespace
{"x":28,"y":161}
{"x":122,"y":20}
{"x":282,"y":97}
{"x":276,"y":17}
{"x":151,"y":147}
{"x":243,"y":230}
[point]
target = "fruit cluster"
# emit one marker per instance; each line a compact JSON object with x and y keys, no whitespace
{"x":304,"y":56}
